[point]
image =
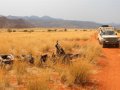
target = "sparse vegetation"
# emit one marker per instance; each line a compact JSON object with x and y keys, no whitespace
{"x":9,"y":30}
{"x":37,"y":84}
{"x":31,"y":31}
{"x":25,"y":30}
{"x":86,"y":52}
{"x":20,"y":71}
{"x":14,"y":30}
{"x":80,"y":73}
{"x":40,"y":83}
{"x":65,"y":30}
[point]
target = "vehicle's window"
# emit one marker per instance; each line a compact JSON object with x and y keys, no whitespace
{"x":109,"y":33}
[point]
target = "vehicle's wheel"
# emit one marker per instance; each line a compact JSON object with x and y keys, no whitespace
{"x":103,"y":45}
{"x":117,"y":45}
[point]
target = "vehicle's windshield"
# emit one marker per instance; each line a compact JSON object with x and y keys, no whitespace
{"x":109,"y":33}
{"x":111,"y":39}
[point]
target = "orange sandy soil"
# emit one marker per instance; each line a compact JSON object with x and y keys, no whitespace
{"x":109,"y":74}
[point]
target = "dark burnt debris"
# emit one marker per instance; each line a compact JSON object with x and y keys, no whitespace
{"x":60,"y":54}
{"x":66,"y":57}
{"x":6,"y":59}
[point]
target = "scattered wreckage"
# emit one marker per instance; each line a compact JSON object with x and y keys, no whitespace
{"x":6,"y":59}
{"x":60,"y":54}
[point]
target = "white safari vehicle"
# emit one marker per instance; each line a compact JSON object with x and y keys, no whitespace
{"x":108,"y":37}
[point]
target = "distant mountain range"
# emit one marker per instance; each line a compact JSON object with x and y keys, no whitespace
{"x":14,"y":23}
{"x":45,"y":21}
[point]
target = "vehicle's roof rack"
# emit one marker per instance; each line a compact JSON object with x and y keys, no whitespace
{"x":105,"y":26}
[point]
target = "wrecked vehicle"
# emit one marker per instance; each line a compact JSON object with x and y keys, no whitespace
{"x":6,"y":59}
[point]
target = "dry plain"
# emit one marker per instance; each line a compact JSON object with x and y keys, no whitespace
{"x":83,"y":73}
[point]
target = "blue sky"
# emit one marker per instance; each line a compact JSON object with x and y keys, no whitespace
{"x":86,"y":10}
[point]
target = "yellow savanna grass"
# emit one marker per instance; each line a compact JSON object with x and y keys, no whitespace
{"x":38,"y":43}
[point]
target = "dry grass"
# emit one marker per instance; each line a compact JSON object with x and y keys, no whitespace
{"x":4,"y":79}
{"x":90,"y":52}
{"x":38,"y":83}
{"x":79,"y":72}
{"x":38,"y":43}
{"x":20,"y":69}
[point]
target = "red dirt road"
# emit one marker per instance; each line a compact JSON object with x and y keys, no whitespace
{"x":109,"y":75}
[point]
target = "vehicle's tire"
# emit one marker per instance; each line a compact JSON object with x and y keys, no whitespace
{"x":103,"y":45}
{"x":117,"y":45}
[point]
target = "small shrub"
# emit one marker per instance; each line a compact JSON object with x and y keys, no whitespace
{"x":49,"y":30}
{"x":85,"y":30}
{"x":25,"y":30}
{"x":65,"y":30}
{"x":78,"y":73}
{"x":14,"y":30}
{"x":55,"y":30}
{"x":31,"y":31}
{"x":9,"y":30}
